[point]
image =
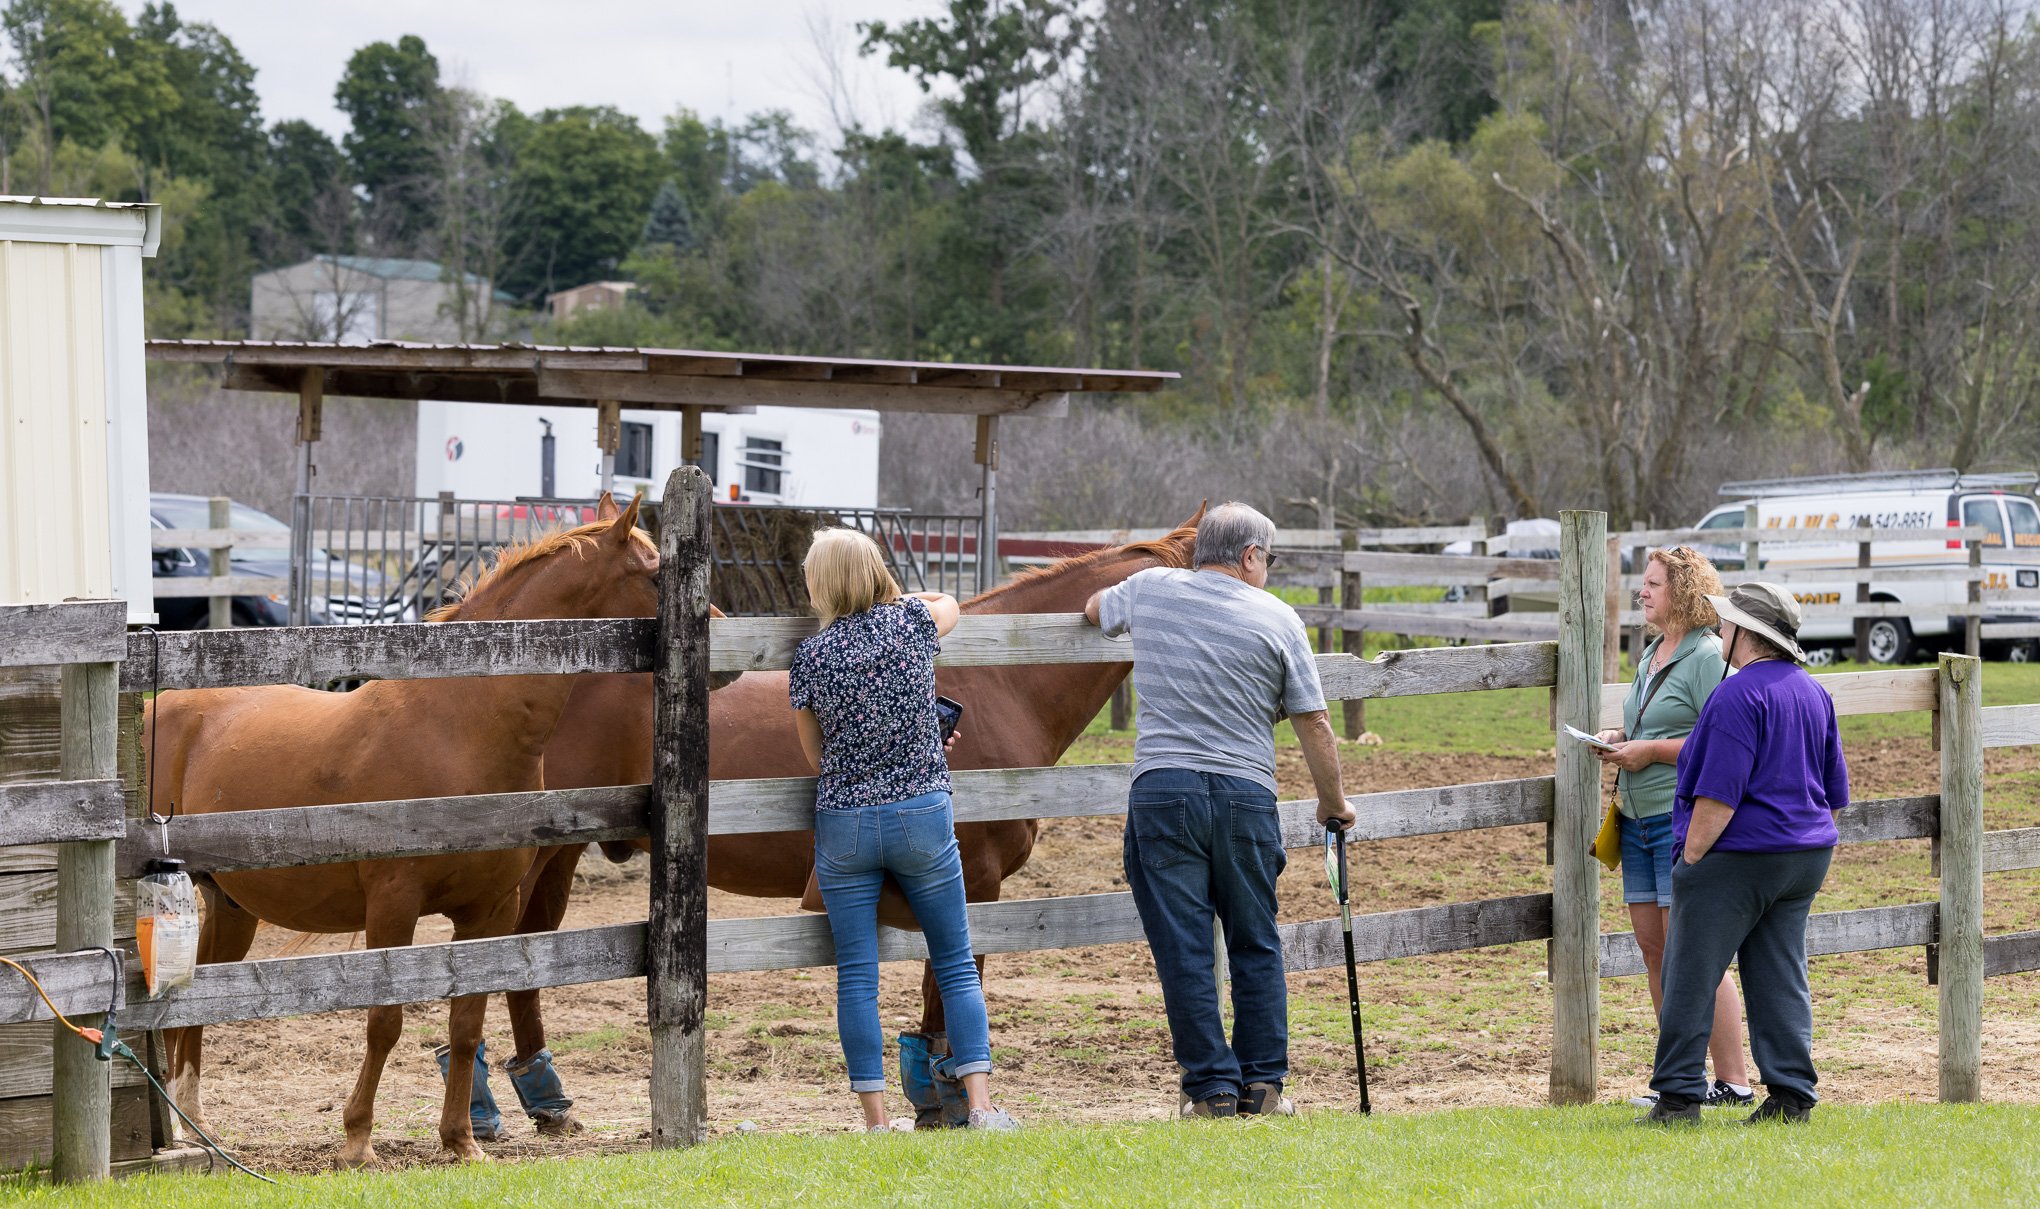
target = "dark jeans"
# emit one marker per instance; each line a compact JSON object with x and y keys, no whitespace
{"x":1200,"y":846}
{"x":1750,"y":907}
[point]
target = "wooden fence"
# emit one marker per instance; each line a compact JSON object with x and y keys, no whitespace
{"x":678,"y":947}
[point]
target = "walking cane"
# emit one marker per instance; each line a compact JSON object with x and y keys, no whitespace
{"x":1335,"y":868}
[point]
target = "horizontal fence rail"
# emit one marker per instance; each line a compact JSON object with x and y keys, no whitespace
{"x":85,"y":631}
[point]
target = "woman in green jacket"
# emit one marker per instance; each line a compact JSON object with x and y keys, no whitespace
{"x":1677,"y":671}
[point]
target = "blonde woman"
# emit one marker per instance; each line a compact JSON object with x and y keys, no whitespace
{"x":1679,"y":669}
{"x":863,"y":696}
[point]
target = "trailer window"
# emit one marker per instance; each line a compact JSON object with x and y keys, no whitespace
{"x":1985,"y":512}
{"x":764,"y":463}
{"x":634,"y":451}
{"x":711,"y":455}
{"x":2025,"y":523}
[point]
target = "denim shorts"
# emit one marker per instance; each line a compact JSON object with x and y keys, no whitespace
{"x":1647,"y":859}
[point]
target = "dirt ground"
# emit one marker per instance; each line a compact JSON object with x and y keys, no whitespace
{"x":1077,"y":1034}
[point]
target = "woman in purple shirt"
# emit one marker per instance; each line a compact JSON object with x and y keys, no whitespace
{"x":1753,"y":830}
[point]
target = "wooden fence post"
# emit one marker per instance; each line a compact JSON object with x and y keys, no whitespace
{"x":1752,"y":557}
{"x":1352,"y":714}
{"x":1961,"y":923}
{"x":1576,"y":815}
{"x":220,"y":608}
{"x":82,"y":1108}
{"x":1639,"y":635}
{"x":1611,"y":610}
{"x":1972,"y":632}
{"x":1122,"y":701}
{"x":676,"y":938}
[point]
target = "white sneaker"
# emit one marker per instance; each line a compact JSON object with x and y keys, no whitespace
{"x":1646,"y":1100}
{"x":995,"y":1120}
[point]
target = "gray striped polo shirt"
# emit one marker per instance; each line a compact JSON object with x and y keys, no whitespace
{"x":1216,"y":663}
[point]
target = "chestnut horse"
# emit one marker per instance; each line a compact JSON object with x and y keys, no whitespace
{"x":1017,"y":717}
{"x":249,"y":748}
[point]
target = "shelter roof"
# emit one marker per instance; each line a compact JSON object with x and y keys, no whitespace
{"x":648,"y":378}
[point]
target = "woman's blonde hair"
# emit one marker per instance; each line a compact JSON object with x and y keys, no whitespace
{"x":846,"y":573}
{"x":1690,"y":579}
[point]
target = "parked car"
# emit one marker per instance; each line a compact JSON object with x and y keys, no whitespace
{"x":364,"y":597}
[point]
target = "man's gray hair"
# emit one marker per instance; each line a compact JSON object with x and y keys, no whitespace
{"x":1227,"y":530}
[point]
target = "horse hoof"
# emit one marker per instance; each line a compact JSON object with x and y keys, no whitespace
{"x":559,"y":1127}
{"x":467,"y":1152}
{"x":352,"y":1158}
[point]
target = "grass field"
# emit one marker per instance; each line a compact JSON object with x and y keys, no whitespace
{"x":1892,"y":1155}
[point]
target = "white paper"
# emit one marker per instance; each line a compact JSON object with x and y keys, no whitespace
{"x":1588,"y":739}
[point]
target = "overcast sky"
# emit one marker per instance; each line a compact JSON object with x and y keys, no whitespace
{"x":721,"y":58}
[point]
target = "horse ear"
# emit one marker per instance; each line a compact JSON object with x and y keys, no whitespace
{"x":605,"y":508}
{"x":626,"y":520}
{"x":1197,"y":517}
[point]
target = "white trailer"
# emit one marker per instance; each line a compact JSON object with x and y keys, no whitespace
{"x":820,"y":457}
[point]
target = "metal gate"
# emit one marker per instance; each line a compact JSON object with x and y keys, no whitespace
{"x":368,"y":559}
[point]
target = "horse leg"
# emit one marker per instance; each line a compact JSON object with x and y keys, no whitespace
{"x":225,"y":933}
{"x":391,"y":924}
{"x":532,"y":1074}
{"x":464,"y":1036}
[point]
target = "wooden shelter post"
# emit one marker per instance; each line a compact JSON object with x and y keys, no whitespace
{"x":608,"y":437}
{"x":676,"y":938}
{"x":988,"y":501}
{"x":311,"y":415}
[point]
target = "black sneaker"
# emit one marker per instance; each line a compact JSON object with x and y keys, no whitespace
{"x":1223,"y":1104}
{"x":1722,"y":1095}
{"x":1774,"y":1109}
{"x":1663,"y":1114}
{"x":1266,"y":1100}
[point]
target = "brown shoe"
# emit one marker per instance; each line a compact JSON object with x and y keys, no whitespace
{"x":1222,"y":1104}
{"x":1266,"y":1100}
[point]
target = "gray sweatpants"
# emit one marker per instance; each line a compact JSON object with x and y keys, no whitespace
{"x":1750,"y":907}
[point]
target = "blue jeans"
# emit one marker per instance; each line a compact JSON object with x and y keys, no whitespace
{"x":915,"y":841}
{"x":1647,"y":859}
{"x":1202,"y":846}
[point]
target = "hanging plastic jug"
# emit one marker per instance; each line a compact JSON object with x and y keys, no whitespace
{"x":166,"y":925}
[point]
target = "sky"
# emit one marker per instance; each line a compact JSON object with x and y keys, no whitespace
{"x":721,"y":58}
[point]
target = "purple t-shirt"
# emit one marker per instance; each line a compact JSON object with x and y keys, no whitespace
{"x":1766,"y":744}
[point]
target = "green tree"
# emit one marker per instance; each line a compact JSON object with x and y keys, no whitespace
{"x":390,"y":94}
{"x":313,"y":207}
{"x":670,"y":223}
{"x":584,"y":179}
{"x":85,"y":78}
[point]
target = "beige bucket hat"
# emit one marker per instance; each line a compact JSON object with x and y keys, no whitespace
{"x":1764,"y":609}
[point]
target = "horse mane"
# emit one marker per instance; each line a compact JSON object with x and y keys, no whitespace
{"x":511,"y":557}
{"x":1172,"y":549}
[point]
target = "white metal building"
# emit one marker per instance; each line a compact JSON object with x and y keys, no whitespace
{"x":74,"y":431}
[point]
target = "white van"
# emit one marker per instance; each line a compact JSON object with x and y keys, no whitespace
{"x":1924,"y":499}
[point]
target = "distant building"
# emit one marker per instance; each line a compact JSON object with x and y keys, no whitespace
{"x":595,"y":296}
{"x":358,"y":299}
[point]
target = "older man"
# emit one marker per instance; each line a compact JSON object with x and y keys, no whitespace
{"x":1216,"y":662}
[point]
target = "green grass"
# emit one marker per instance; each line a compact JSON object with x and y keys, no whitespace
{"x":1898,"y":1154}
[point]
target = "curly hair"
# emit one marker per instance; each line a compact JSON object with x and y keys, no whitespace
{"x":1690,"y":579}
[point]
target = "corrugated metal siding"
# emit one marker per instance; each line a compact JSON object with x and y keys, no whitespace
{"x":54,"y":533}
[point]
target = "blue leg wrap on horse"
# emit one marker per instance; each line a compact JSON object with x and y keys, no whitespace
{"x":949,"y":1087}
{"x":538,"y":1087}
{"x":917,"y":1070}
{"x":482,"y":1115}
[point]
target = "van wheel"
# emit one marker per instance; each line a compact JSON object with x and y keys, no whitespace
{"x":1890,"y":640}
{"x":1822,"y":656}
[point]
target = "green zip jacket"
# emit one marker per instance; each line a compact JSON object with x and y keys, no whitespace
{"x":1696,"y":668}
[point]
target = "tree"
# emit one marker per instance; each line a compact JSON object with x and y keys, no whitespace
{"x":84,"y":76}
{"x":670,"y":223}
{"x":313,"y":207}
{"x":390,"y":94}
{"x":476,"y":197}
{"x":585,"y":178}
